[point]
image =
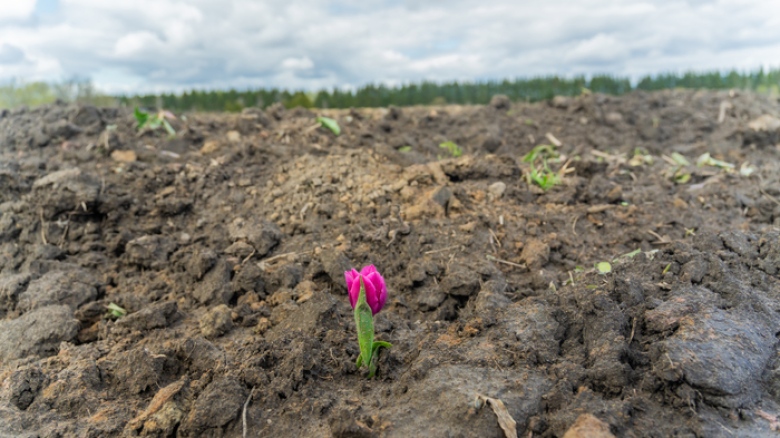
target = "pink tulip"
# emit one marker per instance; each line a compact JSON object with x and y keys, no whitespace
{"x":376,"y":289}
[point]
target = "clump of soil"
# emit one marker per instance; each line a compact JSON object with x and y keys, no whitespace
{"x":226,"y":246}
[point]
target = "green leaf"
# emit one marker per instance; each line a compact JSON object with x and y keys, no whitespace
{"x":329,"y":123}
{"x":116,"y":311}
{"x":682,"y":178}
{"x":604,"y":268}
{"x":543,"y":150}
{"x":679,"y":159}
{"x":169,"y":128}
{"x":141,"y":117}
{"x":629,"y":255}
{"x":453,"y":148}
{"x":706,"y":160}
{"x":405,"y":149}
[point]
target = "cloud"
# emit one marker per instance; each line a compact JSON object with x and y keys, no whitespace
{"x":160,"y":45}
{"x":10,"y":54}
{"x":16,"y":9}
{"x":304,"y":63}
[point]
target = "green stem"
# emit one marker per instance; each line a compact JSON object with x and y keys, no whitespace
{"x":364,"y":321}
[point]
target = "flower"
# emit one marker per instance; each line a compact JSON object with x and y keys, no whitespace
{"x":376,"y":289}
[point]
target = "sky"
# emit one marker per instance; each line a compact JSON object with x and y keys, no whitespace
{"x":142,"y":46}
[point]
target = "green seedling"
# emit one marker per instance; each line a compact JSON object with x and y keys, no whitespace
{"x":641,"y":157}
{"x":666,"y":269}
{"x":543,"y":151}
{"x":603,"y":268}
{"x":116,"y":311}
{"x":541,"y":174}
{"x":706,"y":160}
{"x":544,"y":177}
{"x":680,"y":160}
{"x":677,"y":170}
{"x":152,"y":122}
{"x":627,"y":256}
{"x":405,"y":149}
{"x":454,"y":150}
{"x":332,"y":125}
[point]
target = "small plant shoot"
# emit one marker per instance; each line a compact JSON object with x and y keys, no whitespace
{"x":152,"y":122}
{"x":454,"y":150}
{"x":330,"y":124}
{"x":540,"y":172}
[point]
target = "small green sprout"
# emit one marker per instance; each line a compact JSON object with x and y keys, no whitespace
{"x":680,"y":160}
{"x":152,"y":122}
{"x":628,"y":255}
{"x":405,"y":149}
{"x":541,"y":174}
{"x":666,"y":269}
{"x":706,"y":160}
{"x":543,"y":151}
{"x":677,"y":171}
{"x":641,"y":157}
{"x":116,"y":311}
{"x":603,"y":268}
{"x":332,"y":125}
{"x":452,"y":148}
{"x":544,"y":178}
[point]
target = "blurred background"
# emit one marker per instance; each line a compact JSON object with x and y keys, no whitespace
{"x":226,"y":55}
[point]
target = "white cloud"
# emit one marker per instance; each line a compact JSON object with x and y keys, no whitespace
{"x":175,"y":44}
{"x":16,"y":9}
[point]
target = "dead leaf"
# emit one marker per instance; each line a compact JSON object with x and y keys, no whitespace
{"x":507,"y":423}
{"x":162,"y":397}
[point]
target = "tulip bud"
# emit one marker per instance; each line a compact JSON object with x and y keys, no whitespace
{"x":367,"y":295}
{"x":376,"y":289}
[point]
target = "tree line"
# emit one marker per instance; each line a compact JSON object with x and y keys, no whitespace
{"x":373,"y":95}
{"x":433,"y":93}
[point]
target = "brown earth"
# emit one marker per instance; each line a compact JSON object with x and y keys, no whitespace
{"x":227,"y":246}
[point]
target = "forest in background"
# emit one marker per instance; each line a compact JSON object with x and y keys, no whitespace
{"x":425,"y":93}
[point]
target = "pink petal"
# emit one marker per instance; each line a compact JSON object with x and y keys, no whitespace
{"x":371,"y":293}
{"x":350,"y":276}
{"x":354,"y":293}
{"x":368,"y":269}
{"x":382,"y":297}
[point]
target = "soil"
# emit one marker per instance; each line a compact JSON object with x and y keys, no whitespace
{"x":227,"y":244}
